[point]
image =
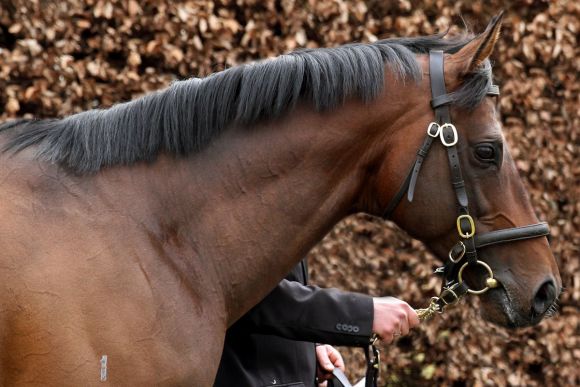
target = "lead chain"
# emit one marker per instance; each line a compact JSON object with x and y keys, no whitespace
{"x":428,"y":312}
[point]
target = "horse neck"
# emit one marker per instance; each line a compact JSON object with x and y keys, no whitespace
{"x":258,"y":199}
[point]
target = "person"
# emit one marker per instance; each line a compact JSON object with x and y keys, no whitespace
{"x":275,"y":343}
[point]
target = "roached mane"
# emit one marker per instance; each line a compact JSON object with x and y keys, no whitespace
{"x":185,"y":117}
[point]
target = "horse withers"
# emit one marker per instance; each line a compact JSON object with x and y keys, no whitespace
{"x":132,"y":237}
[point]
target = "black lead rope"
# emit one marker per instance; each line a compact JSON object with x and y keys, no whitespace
{"x":373,"y":364}
{"x":372,"y":374}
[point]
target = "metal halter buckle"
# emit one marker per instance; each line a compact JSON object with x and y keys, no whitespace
{"x":471,"y":232}
{"x":461,"y":254}
{"x":490,"y":282}
{"x":442,"y":135}
{"x":450,"y":290}
{"x":433,"y":125}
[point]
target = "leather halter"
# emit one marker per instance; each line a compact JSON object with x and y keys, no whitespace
{"x":464,"y":253}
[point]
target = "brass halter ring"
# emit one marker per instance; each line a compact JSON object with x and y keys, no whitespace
{"x":490,"y":281}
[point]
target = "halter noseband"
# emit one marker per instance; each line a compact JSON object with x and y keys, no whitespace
{"x":464,"y":253}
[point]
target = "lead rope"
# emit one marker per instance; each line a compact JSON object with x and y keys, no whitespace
{"x":373,"y":362}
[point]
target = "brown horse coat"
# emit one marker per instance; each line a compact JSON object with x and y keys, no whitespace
{"x":131,"y":273}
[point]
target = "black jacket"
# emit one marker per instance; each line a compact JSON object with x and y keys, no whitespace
{"x":261,"y":349}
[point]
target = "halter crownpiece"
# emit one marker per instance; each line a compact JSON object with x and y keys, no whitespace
{"x":464,"y":253}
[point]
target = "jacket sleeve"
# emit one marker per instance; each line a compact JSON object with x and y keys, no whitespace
{"x":309,"y":313}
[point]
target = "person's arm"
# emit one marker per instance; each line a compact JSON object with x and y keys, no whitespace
{"x":310,"y":313}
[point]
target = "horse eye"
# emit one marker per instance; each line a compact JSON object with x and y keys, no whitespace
{"x":485,"y":152}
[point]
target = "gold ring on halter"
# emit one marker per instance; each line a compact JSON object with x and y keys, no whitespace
{"x":490,"y":281}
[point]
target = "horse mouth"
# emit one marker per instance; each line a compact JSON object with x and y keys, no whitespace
{"x":501,"y":309}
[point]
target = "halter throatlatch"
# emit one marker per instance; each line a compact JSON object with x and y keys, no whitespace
{"x":463,"y":254}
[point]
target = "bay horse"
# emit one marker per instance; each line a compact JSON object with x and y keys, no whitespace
{"x":132,"y":237}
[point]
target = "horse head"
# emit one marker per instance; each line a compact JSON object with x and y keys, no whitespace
{"x":464,"y":186}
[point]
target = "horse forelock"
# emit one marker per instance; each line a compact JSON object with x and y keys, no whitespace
{"x":189,"y":114}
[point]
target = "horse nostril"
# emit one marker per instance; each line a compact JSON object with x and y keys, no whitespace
{"x":545,"y":297}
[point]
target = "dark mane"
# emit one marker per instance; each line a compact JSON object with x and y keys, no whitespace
{"x":185,"y":117}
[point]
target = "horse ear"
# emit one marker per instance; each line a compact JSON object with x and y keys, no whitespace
{"x":474,"y":53}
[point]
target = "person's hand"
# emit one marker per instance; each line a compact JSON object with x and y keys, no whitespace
{"x":327,"y":358}
{"x":393,"y":318}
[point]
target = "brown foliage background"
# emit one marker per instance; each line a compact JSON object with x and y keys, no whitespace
{"x":61,"y":57}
